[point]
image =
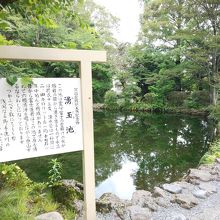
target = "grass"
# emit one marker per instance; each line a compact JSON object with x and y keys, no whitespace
{"x":23,"y":199}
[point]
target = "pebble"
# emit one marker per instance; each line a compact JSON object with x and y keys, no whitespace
{"x":172,"y":188}
{"x":138,"y":213}
{"x":208,"y":187}
{"x":143,"y":198}
{"x":186,"y":201}
{"x":201,"y":194}
{"x":158,"y":192}
{"x":202,"y":175}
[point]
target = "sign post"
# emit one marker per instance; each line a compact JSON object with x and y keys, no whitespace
{"x":83,"y":112}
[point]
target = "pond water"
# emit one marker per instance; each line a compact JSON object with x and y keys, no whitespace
{"x":135,"y":151}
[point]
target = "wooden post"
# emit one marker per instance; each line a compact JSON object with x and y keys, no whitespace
{"x":85,"y":57}
{"x":88,"y":140}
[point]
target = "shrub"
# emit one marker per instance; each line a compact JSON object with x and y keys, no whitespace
{"x":197,"y":99}
{"x":212,"y":154}
{"x":177,"y":98}
{"x":215,"y":112}
{"x":111,"y":99}
{"x":149,"y":98}
{"x":11,"y":176}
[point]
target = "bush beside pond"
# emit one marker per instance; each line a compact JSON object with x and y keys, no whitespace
{"x":21,"y":198}
{"x":213,"y":153}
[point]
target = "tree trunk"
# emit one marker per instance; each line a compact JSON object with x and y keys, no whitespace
{"x":213,"y":95}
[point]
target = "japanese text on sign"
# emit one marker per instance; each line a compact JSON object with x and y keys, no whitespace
{"x":41,"y":119}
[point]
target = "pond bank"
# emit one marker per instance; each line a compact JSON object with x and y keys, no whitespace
{"x":195,"y":197}
{"x":170,"y":110}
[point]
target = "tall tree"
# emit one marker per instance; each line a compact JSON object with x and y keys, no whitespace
{"x":205,"y":40}
{"x":162,"y":22}
{"x":188,"y":31}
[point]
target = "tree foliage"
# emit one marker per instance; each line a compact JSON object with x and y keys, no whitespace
{"x":61,"y":24}
{"x":179,"y":42}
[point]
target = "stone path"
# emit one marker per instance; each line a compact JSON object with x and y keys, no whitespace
{"x":195,"y":197}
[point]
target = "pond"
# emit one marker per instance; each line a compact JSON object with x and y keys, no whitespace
{"x":135,"y":151}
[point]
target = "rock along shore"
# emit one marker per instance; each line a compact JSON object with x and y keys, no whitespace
{"x":195,"y":197}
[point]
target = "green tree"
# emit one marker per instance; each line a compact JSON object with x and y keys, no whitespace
{"x":162,"y":23}
{"x":74,"y":25}
{"x":102,"y":81}
{"x":188,"y":32}
{"x":203,"y":46}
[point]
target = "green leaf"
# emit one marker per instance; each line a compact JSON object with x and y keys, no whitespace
{"x":11,"y":80}
{"x":26,"y":81}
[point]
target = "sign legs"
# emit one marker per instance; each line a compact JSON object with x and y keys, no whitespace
{"x":88,"y":140}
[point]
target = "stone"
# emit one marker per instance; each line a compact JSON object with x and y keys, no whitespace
{"x":79,"y":205}
{"x":68,"y":192}
{"x":185,"y":185}
{"x":186,"y":201}
{"x":162,"y":202}
{"x":208,"y":187}
{"x":73,"y":183}
{"x":110,"y":203}
{"x":201,"y":194}
{"x":215,"y":170}
{"x":138,"y":213}
{"x":176,"y":216}
{"x":158,"y":192}
{"x":144,"y":199}
{"x":203,"y":175}
{"x":172,"y":188}
{"x":140,"y":194}
{"x":50,"y":216}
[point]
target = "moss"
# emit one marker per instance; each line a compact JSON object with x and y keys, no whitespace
{"x":66,"y":195}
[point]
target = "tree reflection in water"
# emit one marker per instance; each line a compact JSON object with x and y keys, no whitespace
{"x":135,"y":151}
{"x":161,"y":147}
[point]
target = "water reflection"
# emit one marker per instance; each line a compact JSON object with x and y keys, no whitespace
{"x":162,"y":147}
{"x":120,"y":182}
{"x":136,"y":151}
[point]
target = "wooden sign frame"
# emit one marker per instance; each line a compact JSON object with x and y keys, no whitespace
{"x":85,"y":58}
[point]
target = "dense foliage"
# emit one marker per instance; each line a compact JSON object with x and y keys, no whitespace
{"x":64,"y":24}
{"x":176,"y":57}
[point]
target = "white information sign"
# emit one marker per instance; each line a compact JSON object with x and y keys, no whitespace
{"x":41,"y":119}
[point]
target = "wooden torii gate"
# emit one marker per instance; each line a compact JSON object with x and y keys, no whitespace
{"x":85,"y":59}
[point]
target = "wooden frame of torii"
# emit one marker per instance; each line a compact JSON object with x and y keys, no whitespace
{"x":85,"y":58}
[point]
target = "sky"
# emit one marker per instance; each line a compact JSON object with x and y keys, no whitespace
{"x":128,"y":12}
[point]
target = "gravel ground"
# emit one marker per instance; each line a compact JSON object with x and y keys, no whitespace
{"x":207,"y":209}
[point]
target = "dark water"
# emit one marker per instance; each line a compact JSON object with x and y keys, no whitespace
{"x":135,"y":151}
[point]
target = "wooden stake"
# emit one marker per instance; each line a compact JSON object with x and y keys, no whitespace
{"x":88,"y":140}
